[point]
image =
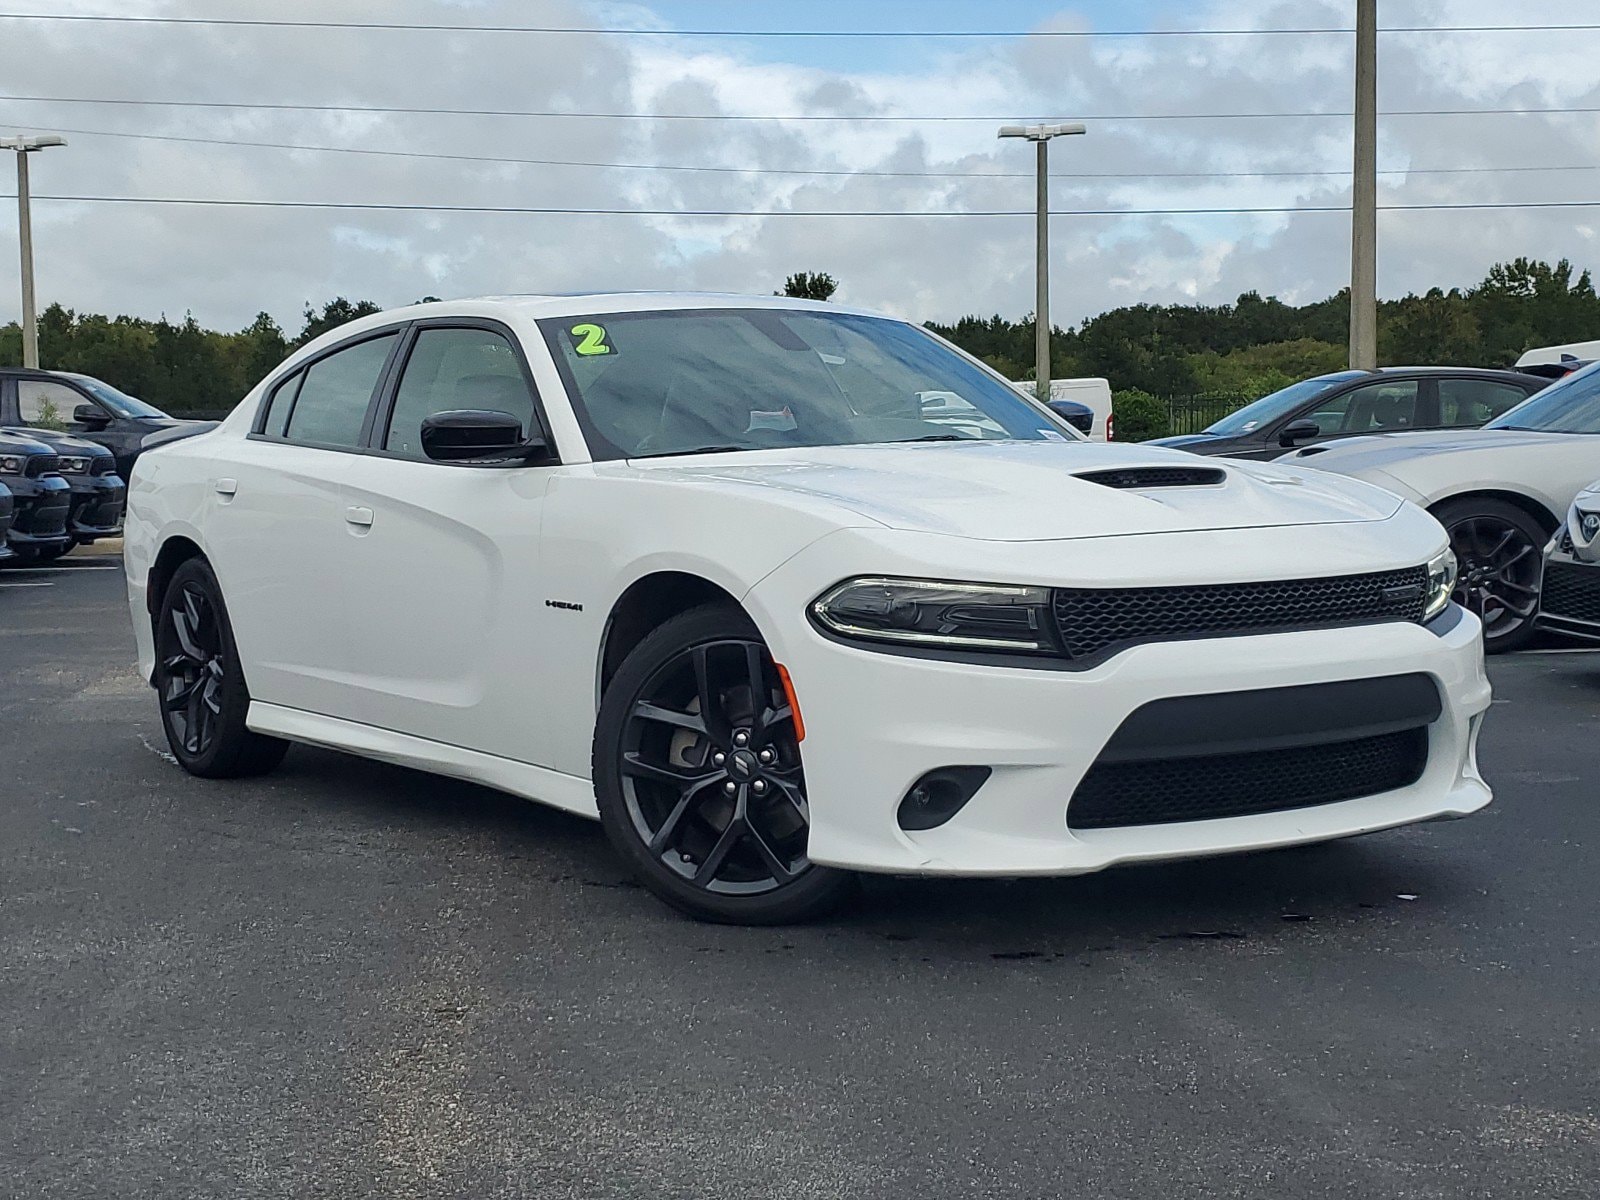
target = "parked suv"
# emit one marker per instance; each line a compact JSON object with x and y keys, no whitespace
{"x":98,"y":492}
{"x":85,"y":406}
{"x":1350,"y":403}
{"x":42,"y":498}
{"x":7,"y":505}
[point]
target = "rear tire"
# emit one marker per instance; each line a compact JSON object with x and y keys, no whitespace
{"x":1500,"y":552}
{"x":698,"y":777}
{"x":204,"y":700}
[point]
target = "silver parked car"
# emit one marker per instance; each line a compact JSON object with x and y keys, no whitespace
{"x":1501,"y":491}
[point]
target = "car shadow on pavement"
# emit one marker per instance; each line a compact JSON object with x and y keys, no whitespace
{"x":1235,"y":899}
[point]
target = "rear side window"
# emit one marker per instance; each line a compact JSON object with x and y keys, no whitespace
{"x":280,"y":404}
{"x":331,"y":405}
{"x":1468,"y":403}
{"x":454,"y":369}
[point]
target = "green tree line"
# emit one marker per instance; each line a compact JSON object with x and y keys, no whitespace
{"x":1236,"y":351}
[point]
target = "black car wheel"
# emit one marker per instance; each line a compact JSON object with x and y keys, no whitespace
{"x":204,"y":700}
{"x":698,"y":776}
{"x":1499,"y":552}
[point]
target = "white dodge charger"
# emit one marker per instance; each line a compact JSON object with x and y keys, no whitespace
{"x":783,"y":591}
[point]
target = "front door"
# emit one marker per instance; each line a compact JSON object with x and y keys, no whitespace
{"x":444,"y":572}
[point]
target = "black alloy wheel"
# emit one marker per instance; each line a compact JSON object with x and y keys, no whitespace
{"x":1500,"y":563}
{"x":204,"y":701}
{"x":699,"y":778}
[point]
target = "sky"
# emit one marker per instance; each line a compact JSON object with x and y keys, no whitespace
{"x":225,"y":264}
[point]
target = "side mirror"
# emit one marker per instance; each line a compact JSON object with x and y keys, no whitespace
{"x":475,"y":434}
{"x":1079,"y":416}
{"x":91,"y":416}
{"x":1296,"y":432}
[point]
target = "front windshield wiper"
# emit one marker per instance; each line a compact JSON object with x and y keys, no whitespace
{"x":941,"y":437}
{"x":697,"y":450}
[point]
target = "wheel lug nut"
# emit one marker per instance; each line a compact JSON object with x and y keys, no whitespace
{"x":759,"y":786}
{"x":718,"y":759}
{"x":766,"y":756}
{"x":741,"y":738}
{"x":730,"y":787}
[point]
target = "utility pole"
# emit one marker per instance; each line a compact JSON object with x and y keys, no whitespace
{"x":25,"y":146}
{"x":1364,"y":195}
{"x":1040,"y":135}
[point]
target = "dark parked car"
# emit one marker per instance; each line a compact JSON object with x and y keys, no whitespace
{"x":42,"y":499}
{"x":7,"y":504}
{"x":1079,"y":416}
{"x":99,"y":494}
{"x":1351,"y":403}
{"x":82,"y":405}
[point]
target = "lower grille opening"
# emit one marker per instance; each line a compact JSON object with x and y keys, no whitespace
{"x":1572,"y":591}
{"x":1207,"y":787}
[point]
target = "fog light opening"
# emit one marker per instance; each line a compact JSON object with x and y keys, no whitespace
{"x":940,"y":795}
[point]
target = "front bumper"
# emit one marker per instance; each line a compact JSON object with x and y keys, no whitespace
{"x":1569,"y":601}
{"x":41,"y":514}
{"x":97,"y":509}
{"x":876,"y":723}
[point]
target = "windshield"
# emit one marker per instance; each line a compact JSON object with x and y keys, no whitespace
{"x":120,"y":403}
{"x":1269,"y":409}
{"x":655,"y":383}
{"x":1570,"y":405}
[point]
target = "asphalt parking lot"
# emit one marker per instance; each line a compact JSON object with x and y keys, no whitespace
{"x":349,"y":979}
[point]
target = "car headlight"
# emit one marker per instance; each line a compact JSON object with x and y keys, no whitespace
{"x":934,"y":613}
{"x":10,"y":464}
{"x":1441,"y":583}
{"x":74,"y":466}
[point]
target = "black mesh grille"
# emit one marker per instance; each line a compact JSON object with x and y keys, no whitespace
{"x":1091,"y":620}
{"x":1163,"y":791}
{"x":42,"y":464}
{"x":1572,"y":591}
{"x":106,"y":465}
{"x":1156,"y":477}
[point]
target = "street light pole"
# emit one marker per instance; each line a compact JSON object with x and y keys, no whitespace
{"x":25,"y":146}
{"x":1364,"y":195}
{"x":1040,"y":135}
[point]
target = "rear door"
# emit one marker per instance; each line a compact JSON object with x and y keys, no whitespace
{"x":279,"y":529}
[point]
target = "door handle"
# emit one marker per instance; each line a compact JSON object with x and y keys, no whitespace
{"x":227,"y":487}
{"x":357,"y":515}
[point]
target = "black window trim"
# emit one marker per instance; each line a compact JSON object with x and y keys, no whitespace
{"x":258,"y":425}
{"x":383,"y":412}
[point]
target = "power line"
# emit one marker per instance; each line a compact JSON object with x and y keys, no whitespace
{"x":531,"y":210}
{"x":433,"y":27}
{"x":875,"y":117}
{"x":800,"y":171}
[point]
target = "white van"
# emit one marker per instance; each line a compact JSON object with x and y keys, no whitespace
{"x":1093,"y":393}
{"x":1581,"y":351}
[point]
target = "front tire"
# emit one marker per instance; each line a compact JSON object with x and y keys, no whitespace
{"x":204,"y":700}
{"x":698,"y":776}
{"x":1500,"y":553}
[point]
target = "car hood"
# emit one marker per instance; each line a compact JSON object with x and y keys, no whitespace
{"x":66,"y":443}
{"x":1350,"y":455}
{"x":1030,"y":491}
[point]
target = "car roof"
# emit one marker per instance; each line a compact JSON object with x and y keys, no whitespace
{"x":1447,"y":371}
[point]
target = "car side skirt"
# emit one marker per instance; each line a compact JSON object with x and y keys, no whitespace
{"x":566,"y":792}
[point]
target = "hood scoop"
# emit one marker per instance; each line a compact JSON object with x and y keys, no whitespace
{"x":1138,"y":478}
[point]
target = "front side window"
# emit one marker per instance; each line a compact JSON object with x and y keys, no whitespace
{"x":332,"y":402}
{"x":45,"y":404}
{"x":1468,"y":403}
{"x":679,"y":382}
{"x":454,"y":369}
{"x":1570,"y":405}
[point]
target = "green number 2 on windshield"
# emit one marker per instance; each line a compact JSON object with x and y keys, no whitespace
{"x":591,"y":339}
